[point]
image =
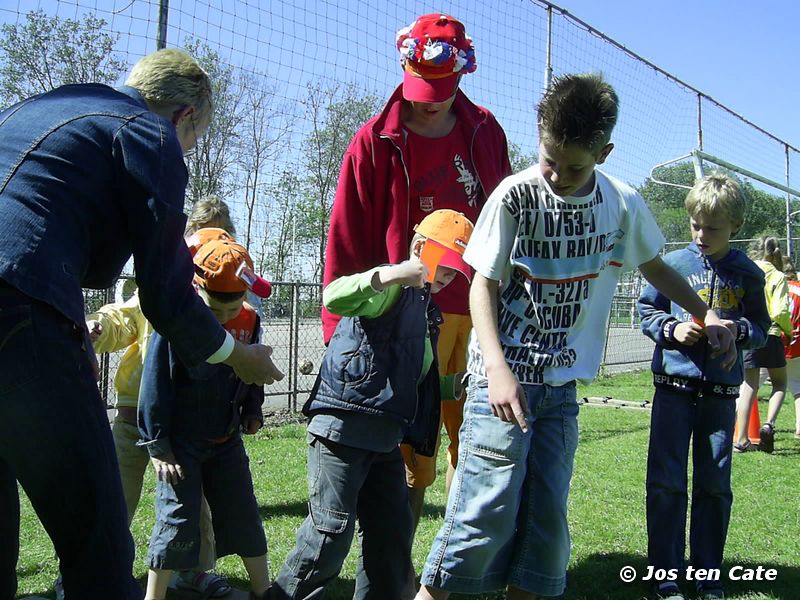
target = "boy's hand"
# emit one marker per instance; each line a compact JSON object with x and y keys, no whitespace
{"x":688,"y":333}
{"x":251,"y":426}
{"x":507,"y":398}
{"x":167,"y":468}
{"x":411,"y":273}
{"x":458,"y":385}
{"x":731,"y":325}
{"x":95,"y":330}
{"x":721,"y":339}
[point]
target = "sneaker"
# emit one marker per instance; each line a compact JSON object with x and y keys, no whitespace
{"x":669,"y":591}
{"x":711,"y":594}
{"x":208,"y":584}
{"x":767,"y":433}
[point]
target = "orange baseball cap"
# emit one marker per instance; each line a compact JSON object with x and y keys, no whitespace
{"x":216,"y":264}
{"x":203,"y":235}
{"x":451,"y":229}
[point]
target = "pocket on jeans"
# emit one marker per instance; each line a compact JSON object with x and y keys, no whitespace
{"x":327,"y":520}
{"x":18,"y":364}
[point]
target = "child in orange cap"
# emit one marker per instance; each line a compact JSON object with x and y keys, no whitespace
{"x":190,"y":422}
{"x":378,"y":385}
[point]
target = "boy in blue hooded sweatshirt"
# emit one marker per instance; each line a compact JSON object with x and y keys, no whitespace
{"x":694,"y":395}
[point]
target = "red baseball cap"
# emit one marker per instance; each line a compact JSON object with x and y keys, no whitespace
{"x":434,"y":51}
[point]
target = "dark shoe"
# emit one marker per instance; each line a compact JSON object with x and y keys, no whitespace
{"x":767,"y":433}
{"x":712,"y":594}
{"x":669,"y":591}
{"x":748,"y":446}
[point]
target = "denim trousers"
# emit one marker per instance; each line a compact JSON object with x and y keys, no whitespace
{"x":709,"y":422}
{"x":506,"y":517}
{"x":56,"y":442}
{"x":345,"y":484}
{"x":222,"y":473}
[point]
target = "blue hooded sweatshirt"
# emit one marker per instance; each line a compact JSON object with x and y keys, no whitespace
{"x":734,"y":287}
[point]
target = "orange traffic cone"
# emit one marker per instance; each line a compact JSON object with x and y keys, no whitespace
{"x":753,"y":426}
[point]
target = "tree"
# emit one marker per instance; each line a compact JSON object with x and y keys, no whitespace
{"x":262,"y":128}
{"x":520,"y":160}
{"x":766,"y":213}
{"x":45,"y":52}
{"x":211,"y":164}
{"x":334,"y":113}
{"x":666,"y":201}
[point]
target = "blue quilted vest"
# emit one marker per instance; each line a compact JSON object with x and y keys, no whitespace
{"x":372,"y":366}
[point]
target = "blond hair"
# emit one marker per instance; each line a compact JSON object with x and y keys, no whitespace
{"x":210,"y":211}
{"x":769,"y":249}
{"x":578,"y":109}
{"x":717,"y":194}
{"x":171,"y":79}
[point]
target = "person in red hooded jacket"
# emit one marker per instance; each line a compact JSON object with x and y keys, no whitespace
{"x":430,"y":148}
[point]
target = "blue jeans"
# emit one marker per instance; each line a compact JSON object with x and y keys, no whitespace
{"x":55,"y":440}
{"x":345,"y":483}
{"x":676,"y":418}
{"x":222,"y":473}
{"x":506,"y":517}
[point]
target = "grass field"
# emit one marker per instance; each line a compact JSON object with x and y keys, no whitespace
{"x":606,"y":508}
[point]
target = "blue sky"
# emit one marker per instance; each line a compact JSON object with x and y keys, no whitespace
{"x":742,"y":56}
{"x":741,"y":53}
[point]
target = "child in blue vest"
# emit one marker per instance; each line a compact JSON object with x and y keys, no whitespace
{"x":190,"y":421}
{"x":378,"y":386}
{"x":695,"y":396}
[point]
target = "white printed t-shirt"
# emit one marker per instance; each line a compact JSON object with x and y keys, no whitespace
{"x":566,"y":256}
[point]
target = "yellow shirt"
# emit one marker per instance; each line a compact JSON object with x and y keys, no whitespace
{"x":777,"y":295}
{"x":124,"y":326}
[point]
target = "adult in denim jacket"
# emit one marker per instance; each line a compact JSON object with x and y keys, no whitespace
{"x":88,"y":177}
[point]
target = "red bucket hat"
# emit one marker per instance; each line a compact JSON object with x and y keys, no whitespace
{"x":434,"y":51}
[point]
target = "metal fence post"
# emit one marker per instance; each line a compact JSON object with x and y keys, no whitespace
{"x":294,"y":349}
{"x":105,"y":359}
{"x":161,"y":34}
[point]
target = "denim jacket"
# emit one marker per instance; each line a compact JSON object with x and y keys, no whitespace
{"x":734,"y":287}
{"x":89,"y":176}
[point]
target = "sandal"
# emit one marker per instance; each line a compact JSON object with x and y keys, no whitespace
{"x":748,"y":446}
{"x":206,"y":584}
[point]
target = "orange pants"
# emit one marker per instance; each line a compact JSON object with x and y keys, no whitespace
{"x":452,"y":353}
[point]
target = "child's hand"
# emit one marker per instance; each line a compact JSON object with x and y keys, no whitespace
{"x":731,"y":325}
{"x":411,"y":273}
{"x":167,"y":468}
{"x":688,"y":333}
{"x":458,"y":385}
{"x":95,"y":330}
{"x":721,"y":340}
{"x":507,"y":398}
{"x":251,"y":426}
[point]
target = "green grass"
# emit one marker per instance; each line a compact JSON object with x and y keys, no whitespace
{"x":606,"y":508}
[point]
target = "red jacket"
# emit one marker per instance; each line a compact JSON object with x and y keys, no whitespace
{"x":370,"y":217}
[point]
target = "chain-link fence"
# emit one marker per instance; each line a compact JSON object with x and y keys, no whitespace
{"x":289,"y":70}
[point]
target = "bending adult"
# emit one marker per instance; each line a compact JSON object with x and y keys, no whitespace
{"x":430,"y":148}
{"x":89,"y":176}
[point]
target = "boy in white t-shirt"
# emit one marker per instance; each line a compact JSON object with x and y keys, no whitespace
{"x":548,"y":250}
